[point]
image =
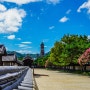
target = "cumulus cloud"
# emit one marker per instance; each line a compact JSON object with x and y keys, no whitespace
{"x":64,"y":19}
{"x":51,"y":27}
{"x":20,"y":2}
{"x":85,"y":5}
{"x":2,"y":8}
{"x":11,"y":20}
{"x":11,"y":37}
{"x":26,"y":42}
{"x":53,"y":1}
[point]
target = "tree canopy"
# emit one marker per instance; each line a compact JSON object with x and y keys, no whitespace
{"x":66,"y":51}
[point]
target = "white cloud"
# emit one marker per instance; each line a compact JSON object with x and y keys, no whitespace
{"x":7,"y":49}
{"x":53,"y":1}
{"x":64,"y":19}
{"x":11,"y":37}
{"x":26,"y":42}
{"x":45,"y":46}
{"x":51,"y":27}
{"x":85,"y":5}
{"x":68,"y":11}
{"x":26,"y":47}
{"x":2,"y":8}
{"x":11,"y":20}
{"x":19,"y":38}
{"x":24,"y":51}
{"x":22,"y":45}
{"x":89,"y":37}
{"x":20,"y":2}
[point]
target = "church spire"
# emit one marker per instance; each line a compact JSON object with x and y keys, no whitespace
{"x":42,"y":49}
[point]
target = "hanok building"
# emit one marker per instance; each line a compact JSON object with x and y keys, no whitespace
{"x":9,"y":60}
{"x":2,"y":53}
{"x":27,"y":61}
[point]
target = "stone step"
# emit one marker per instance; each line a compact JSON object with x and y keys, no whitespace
{"x":28,"y":82}
{"x":27,"y":85}
{"x":24,"y":88}
{"x":31,"y":83}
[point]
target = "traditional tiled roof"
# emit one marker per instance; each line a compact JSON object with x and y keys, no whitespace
{"x":19,"y":62}
{"x":27,"y":57}
{"x":9,"y":57}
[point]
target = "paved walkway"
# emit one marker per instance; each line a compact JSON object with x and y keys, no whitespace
{"x":56,"y":80}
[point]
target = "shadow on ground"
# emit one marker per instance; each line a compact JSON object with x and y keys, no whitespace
{"x":39,"y":75}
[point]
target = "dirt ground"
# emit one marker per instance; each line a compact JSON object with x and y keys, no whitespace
{"x":56,"y":80}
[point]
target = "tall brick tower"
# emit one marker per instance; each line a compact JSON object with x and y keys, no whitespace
{"x":42,"y":49}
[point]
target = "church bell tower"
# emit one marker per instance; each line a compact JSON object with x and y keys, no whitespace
{"x":42,"y":49}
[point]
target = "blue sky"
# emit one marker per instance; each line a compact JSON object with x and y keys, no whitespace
{"x":24,"y":24}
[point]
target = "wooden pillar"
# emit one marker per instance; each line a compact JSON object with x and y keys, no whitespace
{"x":1,"y":63}
{"x":10,"y":64}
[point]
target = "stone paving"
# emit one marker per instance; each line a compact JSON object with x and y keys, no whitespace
{"x":56,"y":80}
{"x":27,"y":83}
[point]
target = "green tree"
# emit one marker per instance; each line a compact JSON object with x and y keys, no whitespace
{"x":56,"y":52}
{"x":68,"y":50}
{"x":41,"y":60}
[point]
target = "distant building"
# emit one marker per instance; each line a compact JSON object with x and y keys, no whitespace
{"x":9,"y":60}
{"x":27,"y":61}
{"x":2,"y":53}
{"x":42,"y":49}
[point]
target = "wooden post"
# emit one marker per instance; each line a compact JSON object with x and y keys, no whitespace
{"x":33,"y":70}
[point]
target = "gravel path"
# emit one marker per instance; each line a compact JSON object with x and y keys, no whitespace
{"x":56,"y":80}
